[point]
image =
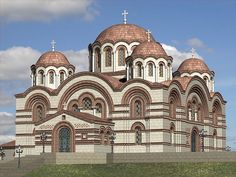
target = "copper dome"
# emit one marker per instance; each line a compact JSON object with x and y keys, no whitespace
{"x":193,"y":65}
{"x":149,"y":49}
{"x":53,"y":58}
{"x":123,"y":32}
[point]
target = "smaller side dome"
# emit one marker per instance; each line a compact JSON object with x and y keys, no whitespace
{"x":53,"y":58}
{"x":149,"y":49}
{"x":193,"y":65}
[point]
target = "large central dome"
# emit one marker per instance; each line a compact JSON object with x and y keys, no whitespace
{"x":123,"y":32}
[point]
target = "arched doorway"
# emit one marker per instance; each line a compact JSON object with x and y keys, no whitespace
{"x":64,"y":140}
{"x":194,"y":141}
{"x":63,"y":137}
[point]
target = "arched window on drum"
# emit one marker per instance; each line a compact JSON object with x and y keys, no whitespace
{"x":161,"y":70}
{"x":62,"y":76}
{"x":138,"y":69}
{"x":97,"y":60}
{"x":51,"y":77}
{"x":150,"y":69}
{"x":41,"y":77}
{"x":121,"y":56}
{"x":108,"y":57}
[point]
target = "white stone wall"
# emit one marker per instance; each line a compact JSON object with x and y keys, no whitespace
{"x":158,"y":111}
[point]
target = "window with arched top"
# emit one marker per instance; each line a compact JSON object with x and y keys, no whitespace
{"x":97,"y":59}
{"x":138,"y":108}
{"x":130,"y":70}
{"x":206,"y":80}
{"x":87,"y":103}
{"x":138,"y":135}
{"x":51,"y":77}
{"x":214,"y":117}
{"x":108,"y":57}
{"x":121,"y":56}
{"x":39,"y":112}
{"x":75,"y":107}
{"x":215,"y":139}
{"x":150,"y":69}
{"x":70,"y":73}
{"x":172,"y":134}
{"x":171,"y":109}
{"x":98,"y":108}
{"x":161,"y":70}
{"x":62,"y":76}
{"x":41,"y":77}
{"x":195,"y":110}
{"x":216,"y":111}
{"x":139,"y":70}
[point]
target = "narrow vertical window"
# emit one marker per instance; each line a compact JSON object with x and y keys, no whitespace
{"x":150,"y":69}
{"x":62,"y":76}
{"x":138,"y":108}
{"x":138,"y":135}
{"x":39,"y":112}
{"x":139,"y":70}
{"x":97,"y":58}
{"x":108,"y":56}
{"x":121,"y":57}
{"x":41,"y":75}
{"x":171,"y":109}
{"x":161,"y":70}
{"x":51,"y":77}
{"x":98,"y":108}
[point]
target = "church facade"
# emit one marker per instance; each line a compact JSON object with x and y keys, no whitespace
{"x":130,"y":100}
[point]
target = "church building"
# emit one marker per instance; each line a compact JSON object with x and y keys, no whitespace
{"x":130,"y":100}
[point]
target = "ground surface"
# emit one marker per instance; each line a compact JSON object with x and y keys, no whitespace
{"x":138,"y":170}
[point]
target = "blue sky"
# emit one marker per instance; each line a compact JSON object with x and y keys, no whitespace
{"x":27,"y":28}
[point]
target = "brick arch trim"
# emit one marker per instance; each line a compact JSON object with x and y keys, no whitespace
{"x":138,"y":124}
{"x":37,"y":98}
{"x":88,"y":85}
{"x":203,"y":98}
{"x":136,"y":92}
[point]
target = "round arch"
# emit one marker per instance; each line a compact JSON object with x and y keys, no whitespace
{"x":56,"y":134}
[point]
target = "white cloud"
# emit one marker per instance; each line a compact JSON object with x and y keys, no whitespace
{"x":196,"y":43}
{"x":7,"y":127}
{"x":45,"y":10}
{"x":15,"y":62}
{"x":178,"y":56}
{"x":79,"y":59}
{"x":6,"y":100}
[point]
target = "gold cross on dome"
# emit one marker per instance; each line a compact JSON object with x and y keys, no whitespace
{"x":125,"y":13}
{"x":53,"y":43}
{"x":148,"y":34}
{"x":193,"y":52}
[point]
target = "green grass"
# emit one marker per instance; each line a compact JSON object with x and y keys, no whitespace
{"x":138,"y":170}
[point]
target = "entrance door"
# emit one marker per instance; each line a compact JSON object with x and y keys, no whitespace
{"x":194,"y":141}
{"x":64,"y":140}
